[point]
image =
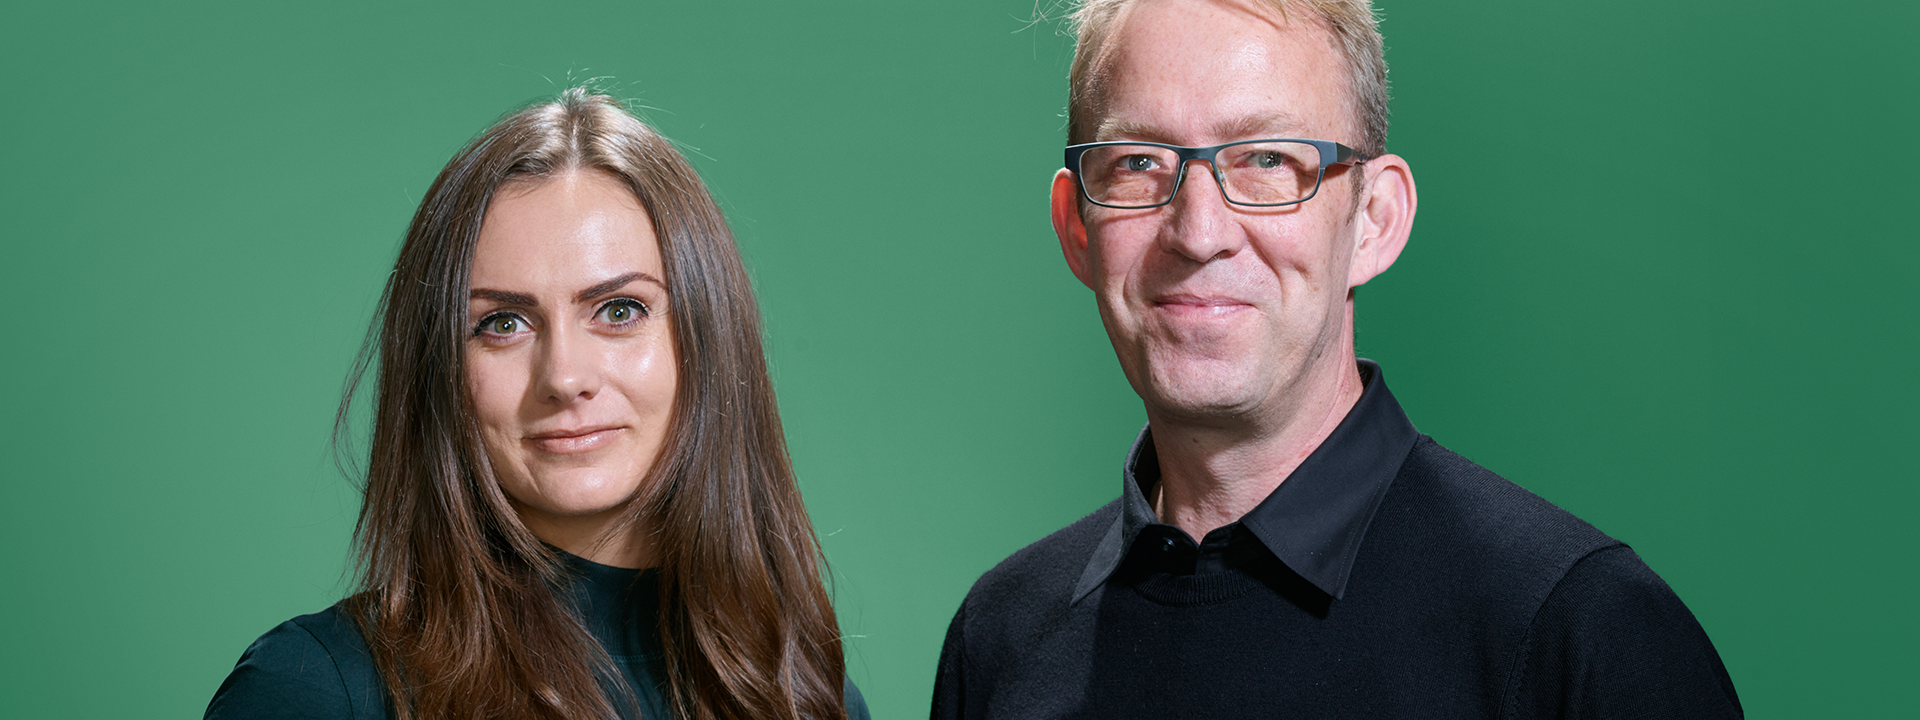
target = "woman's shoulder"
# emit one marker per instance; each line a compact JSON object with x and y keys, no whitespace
{"x":856,"y":703}
{"x":311,"y":667}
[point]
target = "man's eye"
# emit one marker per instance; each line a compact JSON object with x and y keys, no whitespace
{"x":1138,"y":163}
{"x":1265,"y":160}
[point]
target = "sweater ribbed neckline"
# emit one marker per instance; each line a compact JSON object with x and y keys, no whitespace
{"x":1194,"y":590}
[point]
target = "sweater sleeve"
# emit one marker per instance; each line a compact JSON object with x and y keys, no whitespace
{"x":1613,"y":641}
{"x":287,"y":674}
{"x":949,"y":681}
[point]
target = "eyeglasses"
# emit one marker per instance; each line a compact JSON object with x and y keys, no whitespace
{"x":1257,"y":173}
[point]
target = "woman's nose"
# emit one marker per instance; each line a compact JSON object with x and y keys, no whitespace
{"x":570,"y":367}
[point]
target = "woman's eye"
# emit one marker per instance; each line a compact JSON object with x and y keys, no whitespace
{"x":622,"y":312}
{"x":500,"y":325}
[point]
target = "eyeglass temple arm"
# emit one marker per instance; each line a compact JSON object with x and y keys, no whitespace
{"x":1343,"y":155}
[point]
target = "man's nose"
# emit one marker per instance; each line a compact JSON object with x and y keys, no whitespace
{"x":569,"y":366}
{"x":1200,"y":223}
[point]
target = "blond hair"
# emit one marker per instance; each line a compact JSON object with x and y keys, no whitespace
{"x":1351,"y":23}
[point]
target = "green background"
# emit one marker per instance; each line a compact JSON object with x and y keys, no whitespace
{"x":1660,"y":276}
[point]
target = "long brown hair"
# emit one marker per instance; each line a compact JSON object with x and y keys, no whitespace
{"x":455,"y":599}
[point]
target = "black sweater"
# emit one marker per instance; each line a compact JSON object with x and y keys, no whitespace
{"x":1467,"y":597}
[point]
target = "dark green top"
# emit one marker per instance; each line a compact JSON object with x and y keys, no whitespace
{"x":317,"y":667}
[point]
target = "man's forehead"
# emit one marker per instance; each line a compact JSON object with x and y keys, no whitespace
{"x":1224,"y":69}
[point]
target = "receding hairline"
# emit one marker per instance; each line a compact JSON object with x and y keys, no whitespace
{"x":1349,"y":27}
{"x":1101,"y":67}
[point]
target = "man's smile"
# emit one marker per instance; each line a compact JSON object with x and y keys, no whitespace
{"x":1198,"y":306}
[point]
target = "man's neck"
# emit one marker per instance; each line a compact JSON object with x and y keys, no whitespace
{"x":1210,"y":475}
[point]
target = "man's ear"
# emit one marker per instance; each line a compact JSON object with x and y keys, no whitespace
{"x":1068,"y":225}
{"x":1385,"y":218}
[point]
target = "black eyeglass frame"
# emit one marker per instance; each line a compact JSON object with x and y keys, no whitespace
{"x":1331,"y":153}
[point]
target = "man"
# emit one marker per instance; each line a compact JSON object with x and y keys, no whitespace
{"x":1286,"y":543}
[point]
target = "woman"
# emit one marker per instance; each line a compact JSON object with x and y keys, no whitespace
{"x":571,"y":389}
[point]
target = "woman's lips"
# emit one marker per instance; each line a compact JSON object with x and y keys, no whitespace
{"x":567,"y":442}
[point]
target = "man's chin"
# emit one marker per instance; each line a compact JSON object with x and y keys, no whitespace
{"x":1201,"y":398}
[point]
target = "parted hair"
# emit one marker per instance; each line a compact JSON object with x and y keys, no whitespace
{"x":1352,"y":24}
{"x":456,"y":597}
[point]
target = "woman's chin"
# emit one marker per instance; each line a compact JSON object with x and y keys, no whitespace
{"x":571,"y":503}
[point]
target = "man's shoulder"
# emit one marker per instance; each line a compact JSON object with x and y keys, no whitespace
{"x":1452,"y":494}
{"x":1447,"y":522}
{"x":1045,"y":571}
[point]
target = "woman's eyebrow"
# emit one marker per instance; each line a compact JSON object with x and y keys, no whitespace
{"x":505,"y":298}
{"x":615,"y":284}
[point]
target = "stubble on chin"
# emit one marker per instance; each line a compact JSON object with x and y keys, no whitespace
{"x":1196,"y":382}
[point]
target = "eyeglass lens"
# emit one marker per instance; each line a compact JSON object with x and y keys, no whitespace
{"x":1256,"y":173}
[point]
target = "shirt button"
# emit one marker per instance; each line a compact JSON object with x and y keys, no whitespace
{"x":1166,"y":544}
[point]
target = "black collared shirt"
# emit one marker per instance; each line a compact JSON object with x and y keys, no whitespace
{"x":1313,"y":522}
{"x":1385,"y":577}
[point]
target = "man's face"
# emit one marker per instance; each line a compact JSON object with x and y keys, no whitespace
{"x":1220,"y":311}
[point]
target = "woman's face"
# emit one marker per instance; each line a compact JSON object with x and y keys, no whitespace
{"x":570,"y":358}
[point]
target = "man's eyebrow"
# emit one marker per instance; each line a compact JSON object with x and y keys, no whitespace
{"x":505,"y":298}
{"x":1111,"y":129}
{"x":1250,"y":127}
{"x":1265,"y":125}
{"x":615,"y":284}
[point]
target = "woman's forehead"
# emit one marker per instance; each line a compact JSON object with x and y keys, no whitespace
{"x":575,"y":229}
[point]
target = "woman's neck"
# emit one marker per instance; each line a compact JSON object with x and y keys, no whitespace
{"x":609,"y":537}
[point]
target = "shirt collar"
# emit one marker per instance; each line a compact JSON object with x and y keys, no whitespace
{"x":1315,"y":520}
